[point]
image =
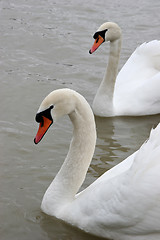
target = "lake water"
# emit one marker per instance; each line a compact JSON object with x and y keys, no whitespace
{"x":44,"y":46}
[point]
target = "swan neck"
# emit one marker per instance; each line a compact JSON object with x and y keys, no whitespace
{"x":73,"y":171}
{"x":103,"y":101}
{"x":112,"y":67}
{"x":80,"y":153}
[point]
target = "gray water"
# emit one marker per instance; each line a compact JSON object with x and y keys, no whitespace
{"x":44,"y":46}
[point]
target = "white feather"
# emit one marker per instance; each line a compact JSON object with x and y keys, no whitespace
{"x":124,"y":203}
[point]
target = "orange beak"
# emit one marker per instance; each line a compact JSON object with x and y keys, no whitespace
{"x":43,"y":127}
{"x":99,"y":40}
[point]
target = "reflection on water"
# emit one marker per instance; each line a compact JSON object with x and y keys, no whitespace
{"x":124,"y":136}
{"x":117,"y":138}
{"x":63,"y":231}
{"x":43,"y":47}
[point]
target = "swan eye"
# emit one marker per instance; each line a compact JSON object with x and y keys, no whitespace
{"x":95,"y":36}
{"x":46,"y":113}
{"x":101,"y":33}
{"x":39,"y":118}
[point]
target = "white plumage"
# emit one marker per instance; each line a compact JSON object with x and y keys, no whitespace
{"x":134,"y":91}
{"x":122,"y":204}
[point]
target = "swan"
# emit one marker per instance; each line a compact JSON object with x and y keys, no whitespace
{"x":135,"y":90}
{"x":122,"y":204}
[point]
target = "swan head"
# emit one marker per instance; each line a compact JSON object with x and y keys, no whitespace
{"x":57,"y":104}
{"x":108,"y":31}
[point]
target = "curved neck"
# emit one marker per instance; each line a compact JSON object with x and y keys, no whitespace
{"x":112,"y":67}
{"x":73,"y":171}
{"x":106,"y":88}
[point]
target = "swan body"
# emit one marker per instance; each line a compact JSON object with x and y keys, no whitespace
{"x":122,"y":204}
{"x":135,"y":90}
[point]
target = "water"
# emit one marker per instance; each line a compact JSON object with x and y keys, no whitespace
{"x":44,"y":46}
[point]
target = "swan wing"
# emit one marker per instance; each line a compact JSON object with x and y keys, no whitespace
{"x":137,"y":84}
{"x":125,"y":200}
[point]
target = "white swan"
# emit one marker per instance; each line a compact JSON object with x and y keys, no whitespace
{"x":124,"y":203}
{"x":135,"y":91}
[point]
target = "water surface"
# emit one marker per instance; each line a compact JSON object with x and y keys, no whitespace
{"x":44,"y":46}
